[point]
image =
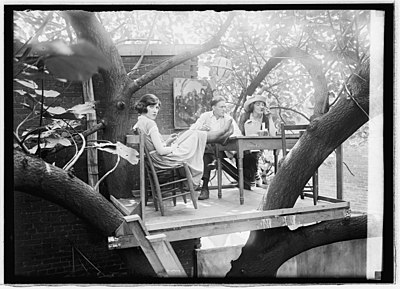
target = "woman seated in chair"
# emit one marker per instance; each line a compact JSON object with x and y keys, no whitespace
{"x":187,"y":147}
{"x":256,"y":118}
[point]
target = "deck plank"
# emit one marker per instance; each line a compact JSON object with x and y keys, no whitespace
{"x":221,"y":216}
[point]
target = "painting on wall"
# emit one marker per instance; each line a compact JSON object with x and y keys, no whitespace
{"x":192,"y":97}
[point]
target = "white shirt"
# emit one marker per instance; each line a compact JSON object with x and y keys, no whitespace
{"x":210,"y":120}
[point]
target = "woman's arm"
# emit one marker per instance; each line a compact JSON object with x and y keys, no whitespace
{"x":271,"y":125}
{"x":242,"y":119}
{"x":159,"y":143}
{"x":171,"y":139}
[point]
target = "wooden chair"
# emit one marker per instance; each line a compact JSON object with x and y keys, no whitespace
{"x":312,"y":184}
{"x":167,"y":184}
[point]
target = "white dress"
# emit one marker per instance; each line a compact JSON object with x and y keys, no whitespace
{"x":190,"y":148}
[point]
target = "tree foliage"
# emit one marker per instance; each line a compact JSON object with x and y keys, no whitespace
{"x":303,"y":61}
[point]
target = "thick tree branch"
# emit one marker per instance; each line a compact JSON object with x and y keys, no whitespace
{"x":268,"y":249}
{"x":324,"y":135}
{"x":310,"y":63}
{"x":214,"y":42}
{"x":36,"y":177}
{"x":119,"y":88}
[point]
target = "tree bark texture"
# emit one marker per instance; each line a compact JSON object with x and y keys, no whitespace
{"x":119,"y":89}
{"x":214,"y":42}
{"x":34,"y":176}
{"x":116,"y":117}
{"x":274,"y":247}
{"x":322,"y":137}
{"x":317,"y":143}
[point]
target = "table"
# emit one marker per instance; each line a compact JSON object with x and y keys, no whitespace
{"x":243,"y":143}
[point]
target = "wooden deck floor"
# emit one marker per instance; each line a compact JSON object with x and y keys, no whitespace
{"x":228,"y":205}
{"x":221,"y":216}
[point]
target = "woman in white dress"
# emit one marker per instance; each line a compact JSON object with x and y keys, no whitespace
{"x":256,"y":118}
{"x":188,"y":146}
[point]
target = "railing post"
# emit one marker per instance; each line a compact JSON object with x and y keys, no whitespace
{"x":339,"y":172}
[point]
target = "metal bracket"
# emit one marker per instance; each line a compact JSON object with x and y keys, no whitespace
{"x":113,"y":243}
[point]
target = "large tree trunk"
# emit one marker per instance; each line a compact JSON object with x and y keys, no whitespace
{"x":114,"y":103}
{"x":119,"y":89}
{"x":317,"y":143}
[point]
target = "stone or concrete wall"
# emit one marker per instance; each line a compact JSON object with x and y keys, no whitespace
{"x":339,"y":260}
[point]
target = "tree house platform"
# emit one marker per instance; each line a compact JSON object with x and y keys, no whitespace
{"x":225,"y":215}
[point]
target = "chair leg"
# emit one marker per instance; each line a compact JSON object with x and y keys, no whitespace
{"x":315,"y":187}
{"x":190,"y":184}
{"x":159,"y":198}
{"x":153,"y":191}
{"x":184,"y":197}
{"x":182,"y":190}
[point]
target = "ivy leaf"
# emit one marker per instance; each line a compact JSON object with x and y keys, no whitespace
{"x":81,"y":110}
{"x":52,"y":142}
{"x":20,"y":91}
{"x":27,"y":83}
{"x":56,"y":110}
{"x":77,"y":62}
{"x":48,"y":93}
{"x":129,"y":154}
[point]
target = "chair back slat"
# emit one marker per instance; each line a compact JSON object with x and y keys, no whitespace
{"x":162,"y":188}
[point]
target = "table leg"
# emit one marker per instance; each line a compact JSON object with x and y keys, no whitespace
{"x":240,"y":172}
{"x":276,"y":153}
{"x":219,"y":177}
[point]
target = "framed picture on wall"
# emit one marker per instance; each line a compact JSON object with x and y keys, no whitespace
{"x":191,"y":98}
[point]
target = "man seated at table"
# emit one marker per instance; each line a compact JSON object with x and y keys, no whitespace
{"x":209,"y":121}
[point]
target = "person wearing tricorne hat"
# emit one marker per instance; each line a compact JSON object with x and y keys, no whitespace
{"x":256,"y":118}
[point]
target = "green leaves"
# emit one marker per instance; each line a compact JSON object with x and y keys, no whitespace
{"x":77,"y":62}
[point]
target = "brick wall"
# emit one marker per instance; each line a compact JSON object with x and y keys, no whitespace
{"x":45,"y":233}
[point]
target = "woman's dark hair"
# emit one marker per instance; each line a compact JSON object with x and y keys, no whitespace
{"x":145,"y":101}
{"x":216,"y":99}
{"x":246,"y":115}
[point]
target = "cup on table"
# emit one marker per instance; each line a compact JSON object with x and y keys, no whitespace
{"x":263,"y":132}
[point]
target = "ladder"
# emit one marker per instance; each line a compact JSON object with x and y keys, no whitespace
{"x":156,"y":248}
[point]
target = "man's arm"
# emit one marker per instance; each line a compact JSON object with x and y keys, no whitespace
{"x":236,"y":130}
{"x":200,"y":122}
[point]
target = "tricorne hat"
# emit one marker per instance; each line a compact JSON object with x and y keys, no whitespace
{"x":254,"y":98}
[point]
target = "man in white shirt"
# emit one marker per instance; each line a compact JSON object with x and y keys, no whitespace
{"x":211,"y":121}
